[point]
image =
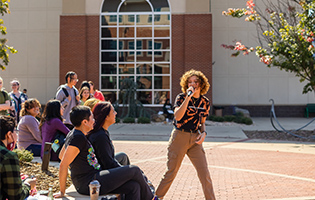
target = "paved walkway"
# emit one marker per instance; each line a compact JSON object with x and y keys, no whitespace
{"x":241,"y":169}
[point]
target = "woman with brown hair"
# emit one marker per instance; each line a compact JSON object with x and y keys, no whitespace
{"x":51,"y":123}
{"x":84,"y":95}
{"x":122,"y":179}
{"x":29,"y":136}
{"x":190,"y":111}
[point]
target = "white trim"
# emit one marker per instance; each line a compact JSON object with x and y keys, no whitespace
{"x":135,"y":24}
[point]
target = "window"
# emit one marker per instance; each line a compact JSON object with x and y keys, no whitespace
{"x":137,"y":49}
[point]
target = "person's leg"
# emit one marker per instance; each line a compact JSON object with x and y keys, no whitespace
{"x":35,"y":149}
{"x":122,"y":158}
{"x":114,"y":178}
{"x":131,"y":189}
{"x":177,"y":148}
{"x":198,"y":158}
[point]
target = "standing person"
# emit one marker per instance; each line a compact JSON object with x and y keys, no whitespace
{"x":50,"y":123}
{"x":191,"y":110}
{"x":17,"y":98}
{"x":29,"y":137}
{"x":11,"y":186}
{"x":96,"y":94}
{"x":68,"y":95}
{"x":79,"y":154}
{"x":25,"y":93}
{"x":4,"y":100}
{"x":84,"y":95}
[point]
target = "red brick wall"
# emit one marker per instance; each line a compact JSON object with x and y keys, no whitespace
{"x":79,"y":47}
{"x":191,"y":47}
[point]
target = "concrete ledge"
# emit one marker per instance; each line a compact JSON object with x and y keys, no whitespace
{"x":71,"y":193}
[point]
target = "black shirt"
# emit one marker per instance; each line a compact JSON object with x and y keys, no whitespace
{"x":104,"y":149}
{"x":196,"y":109}
{"x":85,"y":165}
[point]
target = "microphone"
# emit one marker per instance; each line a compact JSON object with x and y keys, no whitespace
{"x":190,"y":92}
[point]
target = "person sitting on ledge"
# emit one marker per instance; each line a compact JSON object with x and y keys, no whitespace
{"x":11,"y":186}
{"x":79,"y":154}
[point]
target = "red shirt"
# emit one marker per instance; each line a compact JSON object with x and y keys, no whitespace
{"x":99,"y":95}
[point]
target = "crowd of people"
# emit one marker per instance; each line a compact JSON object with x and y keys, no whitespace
{"x":84,"y":117}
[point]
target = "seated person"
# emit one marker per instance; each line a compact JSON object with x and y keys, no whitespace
{"x":91,"y":102}
{"x":50,"y":124}
{"x":11,"y":186}
{"x":29,"y":137}
{"x":78,"y":153}
{"x":167,"y":109}
{"x":100,"y":139}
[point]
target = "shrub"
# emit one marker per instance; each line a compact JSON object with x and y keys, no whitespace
{"x":117,"y":120}
{"x":229,"y":118}
{"x":239,"y":114}
{"x":129,"y":120}
{"x":144,"y":120}
{"x":247,"y":121}
{"x":211,"y":117}
{"x":24,"y":155}
{"x":218,"y":119}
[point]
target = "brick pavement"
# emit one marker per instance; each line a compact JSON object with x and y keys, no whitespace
{"x":237,"y":173}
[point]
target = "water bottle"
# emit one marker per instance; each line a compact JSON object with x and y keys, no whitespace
{"x":55,"y":146}
{"x":50,"y":193}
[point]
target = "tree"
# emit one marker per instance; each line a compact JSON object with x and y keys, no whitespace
{"x":286,"y":36}
{"x":4,"y":48}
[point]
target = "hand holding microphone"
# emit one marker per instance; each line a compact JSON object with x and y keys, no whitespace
{"x":190,"y":91}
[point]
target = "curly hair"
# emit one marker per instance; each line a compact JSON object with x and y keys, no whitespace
{"x":27,"y":105}
{"x":204,"y":84}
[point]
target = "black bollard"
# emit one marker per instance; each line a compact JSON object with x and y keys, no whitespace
{"x":46,"y":156}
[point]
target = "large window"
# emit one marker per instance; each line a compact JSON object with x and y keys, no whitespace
{"x":136,"y":47}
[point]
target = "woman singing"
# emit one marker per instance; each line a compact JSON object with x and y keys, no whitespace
{"x":191,"y":110}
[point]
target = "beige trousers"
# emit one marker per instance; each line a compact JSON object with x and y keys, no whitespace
{"x":182,"y":143}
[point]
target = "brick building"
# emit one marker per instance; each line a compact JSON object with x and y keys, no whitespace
{"x":151,"y":42}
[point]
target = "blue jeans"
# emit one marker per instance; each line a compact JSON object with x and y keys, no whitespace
{"x":35,"y":149}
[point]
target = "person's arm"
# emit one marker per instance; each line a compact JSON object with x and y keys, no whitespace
{"x":179,"y":112}
{"x":12,"y":179}
{"x":62,"y":98}
{"x":61,"y":127}
{"x":103,"y":150}
{"x":7,"y":99}
{"x":68,"y":156}
{"x":203,"y":132}
{"x":33,"y":127}
{"x":5,"y":105}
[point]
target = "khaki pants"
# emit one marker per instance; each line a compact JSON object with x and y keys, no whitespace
{"x":182,"y":143}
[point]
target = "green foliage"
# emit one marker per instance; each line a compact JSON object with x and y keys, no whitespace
{"x":247,"y":121}
{"x":239,"y":114}
{"x":238,"y":118}
{"x":217,"y":119}
{"x":4,"y":48}
{"x":129,"y":120}
{"x":229,"y":118}
{"x":287,"y":27}
{"x":144,"y":120}
{"x":117,"y":120}
{"x":24,"y":155}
